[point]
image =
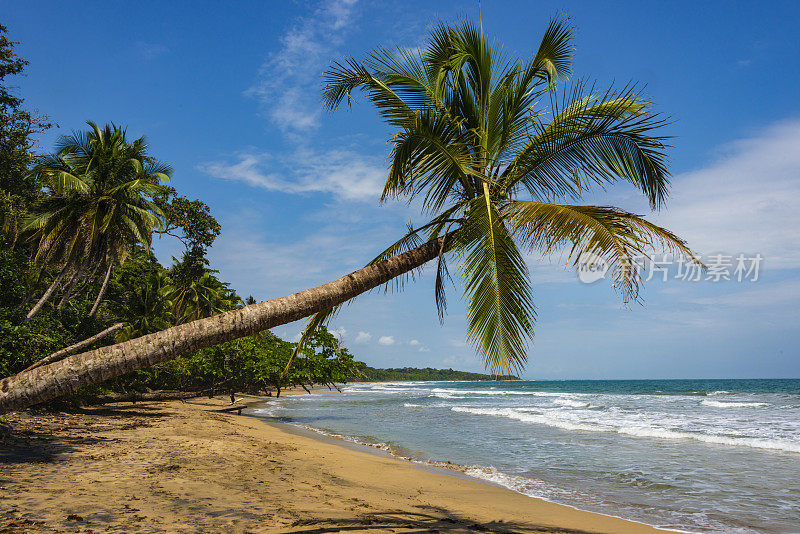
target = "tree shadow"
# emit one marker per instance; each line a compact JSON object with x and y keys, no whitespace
{"x":46,"y":435}
{"x":433,"y":519}
{"x":29,"y":446}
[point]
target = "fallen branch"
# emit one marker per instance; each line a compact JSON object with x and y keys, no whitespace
{"x":77,"y":346}
{"x":162,"y":395}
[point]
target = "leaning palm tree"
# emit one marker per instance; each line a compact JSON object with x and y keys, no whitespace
{"x":488,"y":159}
{"x":100,"y":205}
{"x":502,"y":174}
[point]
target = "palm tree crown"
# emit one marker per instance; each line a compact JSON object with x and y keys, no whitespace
{"x":101,"y":204}
{"x":491,"y":163}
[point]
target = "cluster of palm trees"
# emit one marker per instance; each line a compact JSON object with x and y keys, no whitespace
{"x":499,"y":171}
{"x":162,"y":298}
{"x":99,"y":207}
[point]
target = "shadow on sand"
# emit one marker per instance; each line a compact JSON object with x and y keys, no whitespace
{"x":44,"y":436}
{"x":433,"y":519}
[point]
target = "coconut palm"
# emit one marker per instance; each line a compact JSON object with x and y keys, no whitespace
{"x":200,"y":297}
{"x":488,"y":160}
{"x":491,"y":165}
{"x":143,"y":306}
{"x":100,"y":205}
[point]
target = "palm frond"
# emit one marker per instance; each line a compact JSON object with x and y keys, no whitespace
{"x":616,"y":236}
{"x":430,"y":155}
{"x":500,"y":312}
{"x":554,"y":57}
{"x":593,"y":140}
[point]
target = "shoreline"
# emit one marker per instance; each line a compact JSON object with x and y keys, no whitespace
{"x":195,"y":466}
{"x":441,"y":467}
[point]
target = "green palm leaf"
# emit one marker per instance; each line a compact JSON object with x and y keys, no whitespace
{"x":617,"y":236}
{"x":500,"y":310}
{"x":475,"y":134}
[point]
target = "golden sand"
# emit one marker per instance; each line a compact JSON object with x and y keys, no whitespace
{"x":191,"y":466}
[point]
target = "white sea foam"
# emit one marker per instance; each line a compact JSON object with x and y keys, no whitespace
{"x":507,"y":393}
{"x":572,"y":403}
{"x":443,"y":395}
{"x":726,"y":404}
{"x":525,"y":485}
{"x":644,"y":429}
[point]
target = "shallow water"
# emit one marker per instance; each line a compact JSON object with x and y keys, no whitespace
{"x":696,"y":455}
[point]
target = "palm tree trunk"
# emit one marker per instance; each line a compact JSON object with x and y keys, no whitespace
{"x":76,"y":347}
{"x":102,"y":289}
{"x":74,"y":372}
{"x":70,"y":288}
{"x":86,"y":281}
{"x":46,"y":295}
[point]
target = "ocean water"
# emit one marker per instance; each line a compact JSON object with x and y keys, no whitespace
{"x":691,"y":455}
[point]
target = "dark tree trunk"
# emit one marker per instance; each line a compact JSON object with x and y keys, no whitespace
{"x":74,"y":372}
{"x":70,"y":287}
{"x":46,"y":295}
{"x":102,"y":289}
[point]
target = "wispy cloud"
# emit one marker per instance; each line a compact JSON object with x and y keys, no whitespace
{"x":747,"y":201}
{"x":288,"y":83}
{"x":344,"y":174}
{"x":363,"y":337}
{"x":266,"y":264}
{"x":339,"y":332}
{"x":780,"y":295}
{"x":386,"y":340}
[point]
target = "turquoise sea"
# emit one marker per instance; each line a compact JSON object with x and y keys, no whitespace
{"x":691,"y":455}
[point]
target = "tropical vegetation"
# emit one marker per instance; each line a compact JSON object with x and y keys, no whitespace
{"x":498,"y":152}
{"x":76,"y":260}
{"x":414,"y":374}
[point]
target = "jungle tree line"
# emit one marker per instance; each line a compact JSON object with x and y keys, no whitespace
{"x":76,"y":232}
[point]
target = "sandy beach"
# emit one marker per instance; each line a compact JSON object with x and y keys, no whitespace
{"x":191,"y":466}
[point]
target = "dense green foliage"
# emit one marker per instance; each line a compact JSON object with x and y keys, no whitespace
{"x":76,"y":229}
{"x":409,"y":374}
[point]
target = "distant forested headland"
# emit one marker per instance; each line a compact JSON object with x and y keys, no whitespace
{"x":403,"y":374}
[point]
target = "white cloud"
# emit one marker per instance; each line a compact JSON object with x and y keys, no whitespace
{"x":339,"y":332}
{"x":747,"y":201}
{"x":424,"y":349}
{"x":413,"y":342}
{"x":342,"y":173}
{"x":386,"y":340}
{"x":267,"y":264}
{"x":288,"y":81}
{"x":363,"y":337}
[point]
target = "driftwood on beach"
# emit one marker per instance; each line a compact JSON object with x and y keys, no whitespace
{"x":162,"y":395}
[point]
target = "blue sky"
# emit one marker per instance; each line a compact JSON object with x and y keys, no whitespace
{"x":229,"y":94}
